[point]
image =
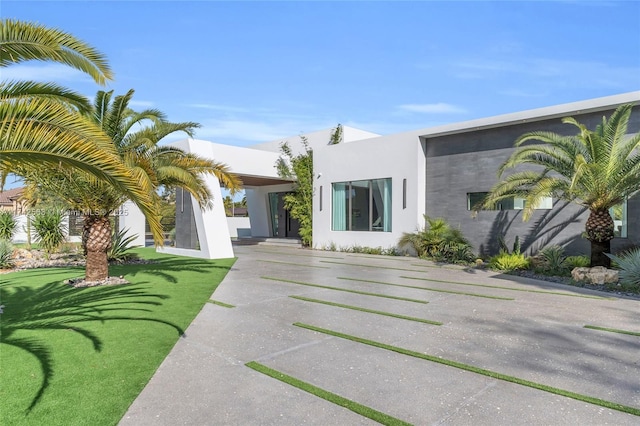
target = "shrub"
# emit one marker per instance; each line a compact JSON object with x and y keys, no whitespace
{"x":8,"y":225}
{"x":120,"y":245}
{"x":509,"y":262}
{"x":6,"y":254}
{"x":577,"y":261}
{"x":629,"y":264}
{"x":49,"y":229}
{"x":439,"y":241}
{"x":552,"y":261}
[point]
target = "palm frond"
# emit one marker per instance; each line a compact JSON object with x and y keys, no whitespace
{"x":24,"y":41}
{"x":12,"y":90}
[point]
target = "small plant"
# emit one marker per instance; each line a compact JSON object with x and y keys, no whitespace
{"x":439,"y":241}
{"x":509,"y":262}
{"x":50,"y":230}
{"x":120,"y":245}
{"x":8,"y":225}
{"x":552,"y":261}
{"x":629,"y":264}
{"x":577,"y":261}
{"x":6,"y":254}
{"x":172,"y":237}
{"x":504,"y":248}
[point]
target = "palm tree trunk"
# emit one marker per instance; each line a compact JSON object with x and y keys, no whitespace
{"x":598,"y":250}
{"x":96,"y":238}
{"x":599,"y":228}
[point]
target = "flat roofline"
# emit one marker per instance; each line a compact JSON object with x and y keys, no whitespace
{"x":538,"y":114}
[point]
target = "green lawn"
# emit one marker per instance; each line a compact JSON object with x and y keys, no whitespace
{"x":80,"y":356}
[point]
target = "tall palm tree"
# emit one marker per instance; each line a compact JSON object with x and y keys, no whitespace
{"x":596,"y":169}
{"x":151,"y":165}
{"x":41,"y":125}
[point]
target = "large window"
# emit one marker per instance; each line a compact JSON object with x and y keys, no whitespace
{"x":363,"y":205}
{"x":619,"y":216}
{"x":515,"y":203}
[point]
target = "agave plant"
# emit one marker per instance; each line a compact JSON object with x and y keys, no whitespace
{"x":629,"y":264}
{"x":8,"y":225}
{"x":120,"y":246}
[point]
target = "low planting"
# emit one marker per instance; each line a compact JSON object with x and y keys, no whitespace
{"x":509,"y":262}
{"x":8,"y":225}
{"x":82,"y":355}
{"x":6,"y":254}
{"x":439,"y":241}
{"x":629,"y":264}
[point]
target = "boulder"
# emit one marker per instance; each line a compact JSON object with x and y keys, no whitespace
{"x":595,"y":275}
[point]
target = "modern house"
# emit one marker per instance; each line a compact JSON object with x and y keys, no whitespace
{"x":370,"y":189}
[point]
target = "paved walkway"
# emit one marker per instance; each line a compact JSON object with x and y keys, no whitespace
{"x":536,"y":336}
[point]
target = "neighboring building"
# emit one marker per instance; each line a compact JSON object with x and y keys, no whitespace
{"x":370,"y":189}
{"x":11,"y":200}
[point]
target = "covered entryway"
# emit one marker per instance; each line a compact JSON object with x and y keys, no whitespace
{"x":282,"y":224}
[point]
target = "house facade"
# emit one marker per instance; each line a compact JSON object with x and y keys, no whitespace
{"x":370,"y":189}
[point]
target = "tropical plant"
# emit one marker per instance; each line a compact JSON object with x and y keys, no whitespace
{"x":577,"y":261}
{"x":516,"y":245}
{"x":8,"y":225}
{"x":629,"y":264}
{"x":153,"y":166}
{"x":43,"y":126}
{"x":509,"y":262}
{"x":49,"y":229}
{"x":6,"y":254}
{"x":299,"y":202}
{"x":119,"y":252}
{"x":438,"y":241}
{"x":595,"y":169}
{"x":552,"y":261}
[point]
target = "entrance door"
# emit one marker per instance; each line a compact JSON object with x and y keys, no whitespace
{"x":282,"y":224}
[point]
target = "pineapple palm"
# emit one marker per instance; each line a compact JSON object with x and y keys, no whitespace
{"x":595,"y":169}
{"x":151,"y":165}
{"x":42,"y":125}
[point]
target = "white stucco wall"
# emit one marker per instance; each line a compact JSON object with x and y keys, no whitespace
{"x":259,"y":211}
{"x":397,"y":157}
{"x":239,"y":226}
{"x":131,"y":218}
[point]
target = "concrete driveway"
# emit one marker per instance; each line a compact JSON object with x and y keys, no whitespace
{"x":525,"y":329}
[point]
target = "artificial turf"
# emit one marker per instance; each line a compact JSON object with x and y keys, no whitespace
{"x":80,"y":356}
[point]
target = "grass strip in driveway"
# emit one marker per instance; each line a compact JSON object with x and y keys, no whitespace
{"x":366,"y":293}
{"x":584,"y":296}
{"x":427,"y":288}
{"x":357,"y":408}
{"x":371,"y":266}
{"x":293,"y":263}
{"x":612,"y":330}
{"x":584,"y":398}
{"x":224,"y":305}
{"x":311,"y":256}
{"x":370,"y":311}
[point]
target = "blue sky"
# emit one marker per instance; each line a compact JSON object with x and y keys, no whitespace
{"x":251,"y":72}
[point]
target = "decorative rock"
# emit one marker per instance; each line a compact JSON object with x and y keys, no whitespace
{"x":595,"y":275}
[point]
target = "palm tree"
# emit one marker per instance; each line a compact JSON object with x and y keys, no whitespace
{"x":596,"y":169}
{"x":151,"y":165}
{"x":41,"y":125}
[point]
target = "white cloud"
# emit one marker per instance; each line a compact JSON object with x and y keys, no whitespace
{"x":47,"y":72}
{"x":247,"y":131}
{"x":552,"y":72}
{"x":215,"y":107}
{"x":142,"y":104}
{"x":437,"y":108}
